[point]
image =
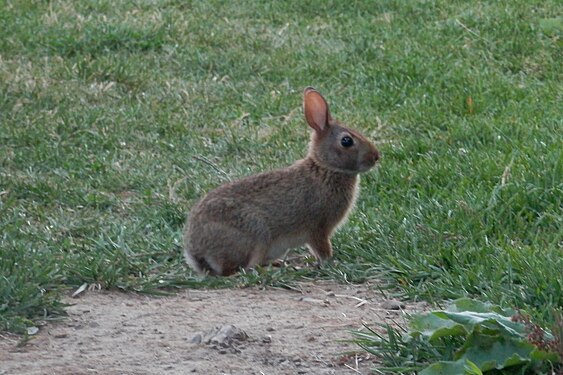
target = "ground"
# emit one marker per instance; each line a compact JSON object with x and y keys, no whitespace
{"x":225,"y":331}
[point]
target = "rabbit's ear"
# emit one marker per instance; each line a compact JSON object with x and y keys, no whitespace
{"x":316,"y":110}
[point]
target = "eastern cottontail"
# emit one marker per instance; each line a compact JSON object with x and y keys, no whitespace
{"x":256,"y":219}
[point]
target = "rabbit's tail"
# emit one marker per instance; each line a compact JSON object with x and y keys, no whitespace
{"x":198,"y":264}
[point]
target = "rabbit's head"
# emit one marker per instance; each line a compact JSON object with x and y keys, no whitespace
{"x":333,"y":145}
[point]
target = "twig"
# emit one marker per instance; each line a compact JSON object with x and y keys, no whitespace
{"x":360,"y":300}
{"x":81,"y":289}
{"x":212,"y":165}
{"x":351,"y":368}
{"x":468,"y":29}
{"x":172,"y":197}
{"x":356,"y":360}
{"x":360,"y":304}
{"x":506,"y":174}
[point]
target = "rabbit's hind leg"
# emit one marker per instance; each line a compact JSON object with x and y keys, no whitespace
{"x":226,"y":249}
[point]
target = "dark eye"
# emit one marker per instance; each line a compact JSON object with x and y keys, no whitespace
{"x":347,"y":142}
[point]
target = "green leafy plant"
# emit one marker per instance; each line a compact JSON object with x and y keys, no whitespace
{"x":469,"y":337}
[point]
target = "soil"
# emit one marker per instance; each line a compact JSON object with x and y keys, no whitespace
{"x":227,"y":331}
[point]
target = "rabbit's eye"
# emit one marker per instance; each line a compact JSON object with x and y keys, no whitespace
{"x":347,"y":142}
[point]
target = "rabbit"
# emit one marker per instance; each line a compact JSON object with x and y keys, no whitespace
{"x":257,"y":219}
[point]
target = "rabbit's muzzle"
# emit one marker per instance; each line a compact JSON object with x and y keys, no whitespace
{"x":369,"y":159}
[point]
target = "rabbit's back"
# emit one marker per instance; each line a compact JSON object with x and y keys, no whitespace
{"x":280,"y":202}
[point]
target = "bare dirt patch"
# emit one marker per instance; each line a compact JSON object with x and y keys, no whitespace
{"x":226,"y":331}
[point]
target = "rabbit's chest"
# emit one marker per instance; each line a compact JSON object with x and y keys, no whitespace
{"x":338,"y":208}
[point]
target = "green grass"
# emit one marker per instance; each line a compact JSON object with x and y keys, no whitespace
{"x":107,"y":108}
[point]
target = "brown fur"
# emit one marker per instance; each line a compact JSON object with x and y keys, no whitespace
{"x":258,"y":218}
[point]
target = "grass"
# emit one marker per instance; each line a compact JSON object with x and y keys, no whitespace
{"x":107,"y":109}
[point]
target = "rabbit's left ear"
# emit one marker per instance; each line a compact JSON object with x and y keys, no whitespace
{"x":316,"y":110}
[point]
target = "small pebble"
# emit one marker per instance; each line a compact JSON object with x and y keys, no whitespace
{"x":392,"y":305}
{"x":197,"y":339}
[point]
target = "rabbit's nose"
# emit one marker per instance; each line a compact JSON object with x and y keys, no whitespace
{"x":371,"y":157}
{"x":375,"y":155}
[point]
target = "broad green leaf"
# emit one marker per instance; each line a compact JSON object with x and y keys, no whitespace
{"x":491,"y":322}
{"x":445,"y":368}
{"x":495,"y":352}
{"x":540,"y":355}
{"x":434,"y":325}
{"x":471,"y":368}
{"x":468,"y":304}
